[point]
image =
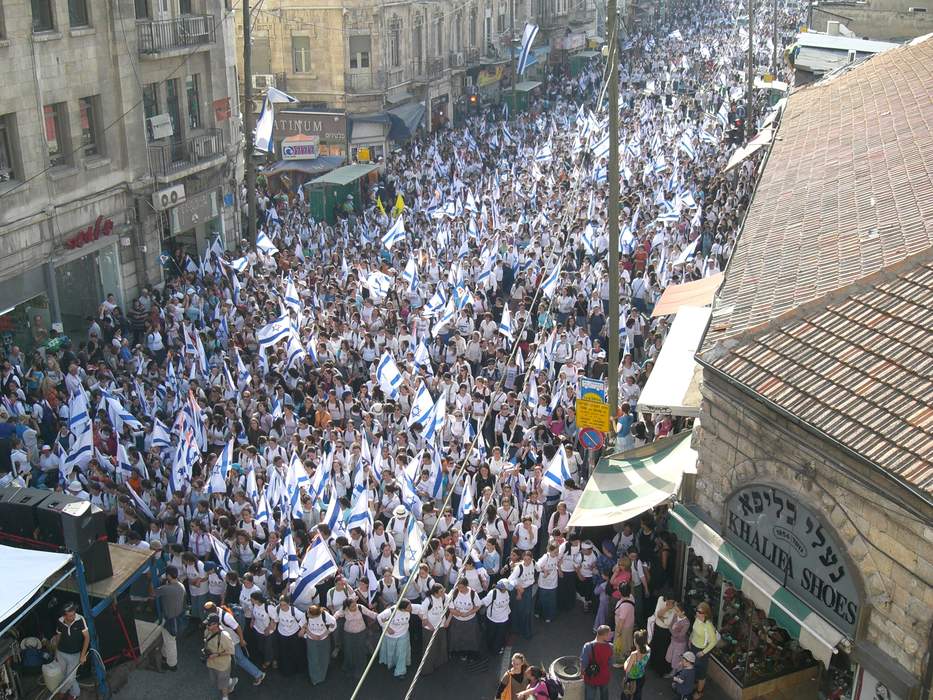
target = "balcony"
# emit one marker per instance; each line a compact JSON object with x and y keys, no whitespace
{"x":364,"y":82}
{"x":397,"y":77}
{"x":162,"y":35}
{"x":169,"y":158}
{"x":472,"y":56}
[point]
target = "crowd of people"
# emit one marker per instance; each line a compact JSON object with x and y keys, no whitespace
{"x":335,"y":429}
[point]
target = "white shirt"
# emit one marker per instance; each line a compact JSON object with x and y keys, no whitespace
{"x":497,"y":605}
{"x":431,"y":612}
{"x":399,"y":626}
{"x":547,"y":569}
{"x":522,"y":576}
{"x":323,"y":624}
{"x":263,"y":614}
{"x":464,"y":603}
{"x":290,"y":621}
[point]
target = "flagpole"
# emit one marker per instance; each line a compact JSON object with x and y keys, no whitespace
{"x":612,"y":22}
{"x":750,"y":87}
{"x":513,"y":108}
{"x":249,"y":162}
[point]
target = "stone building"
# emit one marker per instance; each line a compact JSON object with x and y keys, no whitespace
{"x":117,"y":141}
{"x":882,"y":20}
{"x":408,"y":64}
{"x":816,"y":438}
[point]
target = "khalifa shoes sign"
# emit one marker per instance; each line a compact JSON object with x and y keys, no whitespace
{"x":790,"y":542}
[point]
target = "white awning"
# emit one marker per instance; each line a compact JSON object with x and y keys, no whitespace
{"x":741,"y":154}
{"x":673,"y":385}
{"x":625,"y":485}
{"x":24,"y":571}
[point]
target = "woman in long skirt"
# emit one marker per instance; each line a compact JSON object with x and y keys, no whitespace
{"x":680,"y":629}
{"x":434,"y":631}
{"x":291,"y":648}
{"x":661,"y":639}
{"x":395,"y":651}
{"x":355,"y":646}
{"x":319,"y":626}
{"x":463,"y":630}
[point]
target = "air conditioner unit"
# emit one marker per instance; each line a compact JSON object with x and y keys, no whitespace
{"x":168,"y":198}
{"x":263,"y":82}
{"x":458,"y":58}
{"x":159,"y":126}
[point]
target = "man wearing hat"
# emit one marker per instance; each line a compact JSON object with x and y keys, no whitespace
{"x":684,"y":681}
{"x":218,"y":650}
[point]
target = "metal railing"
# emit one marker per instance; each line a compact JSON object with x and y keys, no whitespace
{"x":472,"y":56}
{"x":170,"y":157}
{"x":397,"y":76}
{"x":160,"y":35}
{"x":368,"y":81}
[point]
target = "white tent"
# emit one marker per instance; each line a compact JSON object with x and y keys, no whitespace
{"x":23,"y":572}
{"x":674,"y":384}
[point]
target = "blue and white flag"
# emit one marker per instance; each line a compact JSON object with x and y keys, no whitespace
{"x":360,"y":515}
{"x":423,"y":358}
{"x":222,"y":554}
{"x":270,"y":334}
{"x":242,"y":374}
{"x":410,"y":275}
{"x":379,"y":285}
{"x":78,"y":417}
{"x":82,"y":449}
{"x":467,"y":506}
{"x":161,"y":437}
{"x":549,"y":284}
{"x":421,"y":406}
{"x":140,"y":503}
{"x":395,"y":233}
{"x":334,"y":516}
{"x":450,"y":311}
{"x":291,"y":298}
{"x":505,"y":324}
{"x":531,"y":398}
{"x":218,"y":478}
{"x":265,"y":244}
{"x":390,"y":379}
{"x":410,"y":556}
{"x":558,"y":470}
{"x":266,"y":120}
{"x":436,"y":303}
{"x":528,"y":38}
{"x":434,"y":420}
{"x":240,"y":264}
{"x":318,"y":565}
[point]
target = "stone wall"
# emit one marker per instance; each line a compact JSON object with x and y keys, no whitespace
{"x":872,"y":23}
{"x":742,"y":441}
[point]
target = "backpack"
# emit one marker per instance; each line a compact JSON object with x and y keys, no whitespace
{"x":555,"y":689}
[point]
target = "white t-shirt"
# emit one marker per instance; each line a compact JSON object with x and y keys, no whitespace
{"x":497,"y":605}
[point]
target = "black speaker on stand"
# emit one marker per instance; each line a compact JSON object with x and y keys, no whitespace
{"x":18,"y":514}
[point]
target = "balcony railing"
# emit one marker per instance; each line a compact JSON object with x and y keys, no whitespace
{"x":397,"y":76}
{"x":472,"y":56}
{"x":156,"y":36}
{"x":369,"y":81}
{"x":174,"y":156}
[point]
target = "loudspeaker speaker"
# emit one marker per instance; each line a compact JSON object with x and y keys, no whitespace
{"x":18,"y":514}
{"x":96,"y":560}
{"x":70,"y":522}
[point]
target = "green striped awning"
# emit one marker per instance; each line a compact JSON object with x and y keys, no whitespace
{"x":791,"y":613}
{"x":627,"y":484}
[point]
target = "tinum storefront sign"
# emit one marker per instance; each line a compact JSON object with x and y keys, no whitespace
{"x":782,"y":535}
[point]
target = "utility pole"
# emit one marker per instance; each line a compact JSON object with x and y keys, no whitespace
{"x":612,"y":26}
{"x":248,"y":125}
{"x":774,"y":40}
{"x":750,"y":89}
{"x":513,"y":110}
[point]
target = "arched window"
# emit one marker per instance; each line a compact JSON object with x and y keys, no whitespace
{"x":395,"y":42}
{"x":472,"y":27}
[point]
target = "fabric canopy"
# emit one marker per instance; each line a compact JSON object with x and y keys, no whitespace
{"x":697,"y":293}
{"x":674,"y":384}
{"x":312,"y":166}
{"x":811,"y":630}
{"x":405,"y":120}
{"x":625,"y":485}
{"x":23,"y":573}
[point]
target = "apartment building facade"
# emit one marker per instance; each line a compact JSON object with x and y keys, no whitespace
{"x":119,"y":142}
{"x":391,"y":68}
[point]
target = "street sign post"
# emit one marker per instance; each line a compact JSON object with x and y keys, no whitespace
{"x":592,"y":389}
{"x":591,"y":439}
{"x":593,"y":414}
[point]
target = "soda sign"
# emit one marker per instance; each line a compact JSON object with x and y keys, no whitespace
{"x":300,"y":147}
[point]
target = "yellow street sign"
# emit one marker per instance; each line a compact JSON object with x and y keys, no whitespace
{"x":592,"y":414}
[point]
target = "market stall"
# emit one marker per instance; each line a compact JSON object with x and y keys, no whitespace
{"x":523,"y":93}
{"x":328,"y":193}
{"x":773,"y":644}
{"x":627,"y":484}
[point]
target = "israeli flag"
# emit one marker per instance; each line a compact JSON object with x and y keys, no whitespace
{"x":322,"y":476}
{"x":390,"y":379}
{"x":410,"y":275}
{"x":161,"y":437}
{"x":252,"y":487}
{"x":549,"y":284}
{"x":423,"y":358}
{"x":407,"y":562}
{"x":421,"y":406}
{"x":589,"y":240}
{"x":263,"y":512}
{"x":379,"y":285}
{"x":467,"y":506}
{"x":272,"y":333}
{"x":686,"y":145}
{"x":80,"y":453}
{"x":531,"y":398}
{"x":434,"y":421}
{"x":141,"y":504}
{"x":317,"y":566}
{"x":334,"y":516}
{"x":291,"y":295}
{"x":505,"y":325}
{"x":218,"y":479}
{"x":124,"y":467}
{"x":395,"y":234}
{"x":266,"y":120}
{"x":558,"y":470}
{"x":78,"y":418}
{"x":265,"y":244}
{"x":360,"y":515}
{"x":528,"y":38}
{"x":446,"y":318}
{"x":436,"y":303}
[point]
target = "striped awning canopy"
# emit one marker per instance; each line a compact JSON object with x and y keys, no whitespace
{"x":786,"y":609}
{"x":627,"y":484}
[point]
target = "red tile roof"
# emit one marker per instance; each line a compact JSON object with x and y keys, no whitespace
{"x":827,"y":306}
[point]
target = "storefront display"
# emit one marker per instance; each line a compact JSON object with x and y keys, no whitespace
{"x":25,"y":325}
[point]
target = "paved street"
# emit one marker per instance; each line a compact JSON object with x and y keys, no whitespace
{"x":456,"y":681}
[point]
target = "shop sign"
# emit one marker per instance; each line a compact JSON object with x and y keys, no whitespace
{"x":488,"y":76}
{"x":300,"y":147}
{"x":782,"y":535}
{"x":221,"y":109}
{"x":196,"y":210}
{"x":439,"y":102}
{"x":327,"y":126}
{"x":570,"y":42}
{"x":101,"y":227}
{"x":592,"y":389}
{"x":592,"y":414}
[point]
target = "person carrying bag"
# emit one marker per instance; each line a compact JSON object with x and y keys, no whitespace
{"x":635,"y":666}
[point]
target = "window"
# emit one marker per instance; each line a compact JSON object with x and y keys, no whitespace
{"x":142,"y":9}
{"x":77,"y":13}
{"x":193,"y":88}
{"x":42,"y":16}
{"x":500,"y":20}
{"x":360,"y":46}
{"x":301,"y":54}
{"x":184,"y":7}
{"x":150,"y":105}
{"x":2,"y":28}
{"x":473,"y":28}
{"x":9,"y":166}
{"x":56,"y":134}
{"x":416,"y":47}
{"x":440,"y":36}
{"x":457,"y":42}
{"x":91,"y":134}
{"x":171,"y":103}
{"x":395,"y":43}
